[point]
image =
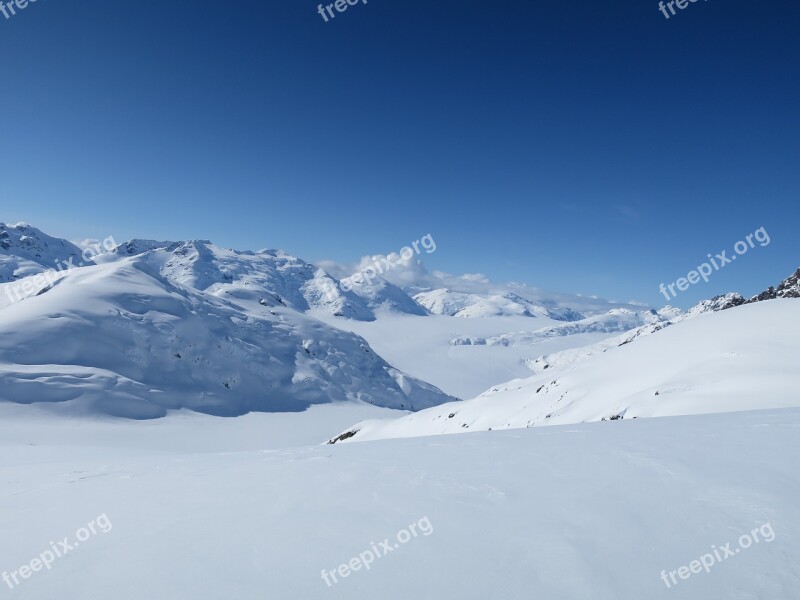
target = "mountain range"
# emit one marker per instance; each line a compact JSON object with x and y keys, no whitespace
{"x":145,"y":327}
{"x":725,"y":354}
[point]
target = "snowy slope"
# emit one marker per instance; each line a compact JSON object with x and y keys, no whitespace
{"x":381,"y":295}
{"x":571,"y":356}
{"x":465,"y":357}
{"x":472,"y":305}
{"x":421,"y":346}
{"x":739,"y":359}
{"x":594,"y":511}
{"x":614,"y":321}
{"x":24,"y":251}
{"x":122,"y":339}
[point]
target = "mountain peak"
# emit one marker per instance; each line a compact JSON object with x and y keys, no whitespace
{"x":788,"y":288}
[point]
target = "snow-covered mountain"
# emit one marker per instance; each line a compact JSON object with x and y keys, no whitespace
{"x":614,"y":321}
{"x":721,"y":302}
{"x":268,"y":277}
{"x":473,"y":305}
{"x":379,"y":294}
{"x":412,"y":316}
{"x":719,"y":361}
{"x":157,"y":325}
{"x":186,"y":325}
{"x":24,"y":251}
{"x":788,"y":288}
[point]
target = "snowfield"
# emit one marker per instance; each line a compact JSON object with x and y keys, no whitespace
{"x":424,"y":348}
{"x":120,"y":478}
{"x":593,"y":511}
{"x":744,"y":358}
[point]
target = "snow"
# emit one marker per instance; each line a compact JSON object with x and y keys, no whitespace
{"x":382,"y":295}
{"x":738,"y":359}
{"x":460,"y":304}
{"x":581,"y":511}
{"x":270,"y":277}
{"x":422,"y":347}
{"x":119,"y":338}
{"x":614,"y":321}
{"x":597,"y":505}
{"x":25,"y":251}
{"x":261,"y":295}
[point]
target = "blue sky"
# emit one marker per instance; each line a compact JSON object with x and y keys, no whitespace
{"x":591,"y":147}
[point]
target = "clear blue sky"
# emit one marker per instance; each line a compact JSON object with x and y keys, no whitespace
{"x":591,"y":147}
